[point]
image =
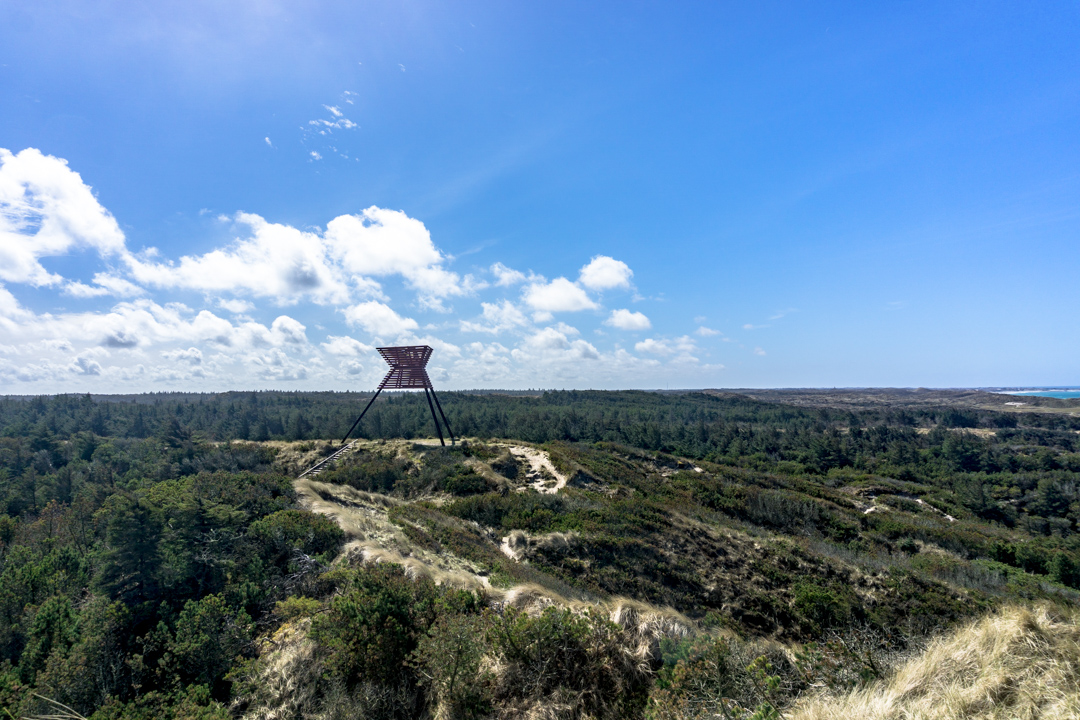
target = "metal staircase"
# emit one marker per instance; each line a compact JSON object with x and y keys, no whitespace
{"x":326,"y":462}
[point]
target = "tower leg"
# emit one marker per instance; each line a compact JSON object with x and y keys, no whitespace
{"x":361,"y":415}
{"x":433,"y":417}
{"x":445,"y":421}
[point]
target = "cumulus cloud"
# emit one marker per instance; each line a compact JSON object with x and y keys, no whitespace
{"x":505,"y":276}
{"x":379,"y":319}
{"x":359,"y":265}
{"x":288,"y":330}
{"x":560,"y":295}
{"x":235,"y":305}
{"x":84,"y":365}
{"x":627,"y":320}
{"x":46,"y":210}
{"x":142,"y":324}
{"x":707,"y":332}
{"x":497,"y":318}
{"x":286,"y":264}
{"x":277,"y":366}
{"x":682,"y":347}
{"x":191,"y":356}
{"x":380,"y":242}
{"x":550,"y":343}
{"x":272,"y":260}
{"x":605,"y":273}
{"x":344,"y":346}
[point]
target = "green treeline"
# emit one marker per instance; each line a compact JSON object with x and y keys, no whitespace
{"x":1017,"y":468}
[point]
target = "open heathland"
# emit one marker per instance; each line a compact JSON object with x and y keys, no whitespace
{"x":577,"y":554}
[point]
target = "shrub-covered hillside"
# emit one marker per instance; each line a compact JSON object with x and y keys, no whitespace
{"x":580,"y":554}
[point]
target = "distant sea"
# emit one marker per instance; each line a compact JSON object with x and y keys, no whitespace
{"x":1063,"y":394}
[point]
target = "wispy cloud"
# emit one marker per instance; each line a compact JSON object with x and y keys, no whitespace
{"x":782,"y":313}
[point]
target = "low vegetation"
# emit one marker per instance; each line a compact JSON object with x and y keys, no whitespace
{"x":580,"y":555}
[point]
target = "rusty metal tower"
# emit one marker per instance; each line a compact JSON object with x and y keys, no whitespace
{"x":407,"y":372}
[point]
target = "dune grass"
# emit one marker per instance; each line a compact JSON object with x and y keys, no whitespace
{"x":1016,"y":663}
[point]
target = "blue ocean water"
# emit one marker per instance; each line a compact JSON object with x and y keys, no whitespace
{"x":1063,"y":394}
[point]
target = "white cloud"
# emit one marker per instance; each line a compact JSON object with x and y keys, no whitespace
{"x":604,"y":273}
{"x":351,"y":367}
{"x":386,"y":242}
{"x":368,"y":289}
{"x":287,"y":264}
{"x":381,"y":242}
{"x":750,"y":326}
{"x":288,"y":330}
{"x":46,"y":210}
{"x":267,"y":140}
{"x":627,"y":320}
{"x":337,"y":121}
{"x":192,"y":356}
{"x":118,"y":286}
{"x":379,"y":319}
{"x":505,"y":276}
{"x":274,"y":260}
{"x":83,"y":291}
{"x":235,"y":306}
{"x":344,"y":346}
{"x":759,"y":351}
{"x":141,"y":324}
{"x":277,"y":366}
{"x":560,"y":295}
{"x":567,"y":329}
{"x":497,"y":318}
{"x":653,"y":346}
{"x":682,"y":347}
{"x":707,"y":332}
{"x":551,"y":344}
{"x":315,"y":155}
{"x":356,"y":265}
{"x":84,"y":365}
{"x":104,"y":284}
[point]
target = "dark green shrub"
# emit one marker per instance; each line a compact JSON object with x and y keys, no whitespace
{"x":820,"y":608}
{"x":465,"y":482}
{"x":279,"y":535}
{"x":909,"y":546}
{"x":372,"y":627}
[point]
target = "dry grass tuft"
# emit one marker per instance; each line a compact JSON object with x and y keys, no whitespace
{"x":1017,"y":663}
{"x":284,"y":683}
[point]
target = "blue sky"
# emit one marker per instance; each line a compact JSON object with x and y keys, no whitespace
{"x":213,"y":196}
